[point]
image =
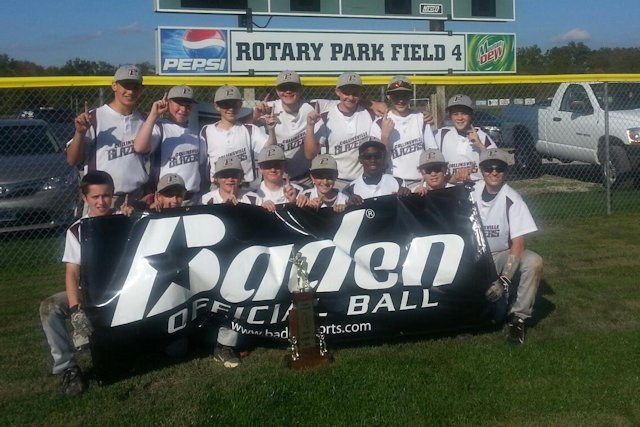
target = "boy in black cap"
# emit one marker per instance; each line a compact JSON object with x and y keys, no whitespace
{"x":374,"y":181}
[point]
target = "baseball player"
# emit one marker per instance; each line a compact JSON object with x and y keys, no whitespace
{"x":227,"y":180}
{"x":374,"y":181}
{"x":462,"y":143}
{"x":404,"y":131}
{"x":340,"y":131}
{"x":506,"y":221}
{"x":324,"y":172}
{"x":275,"y":187}
{"x":290,"y":112}
{"x":97,"y":193}
{"x":174,"y":147}
{"x":170,"y":193}
{"x":103,"y":139}
{"x":433,"y":168}
{"x":229,"y":137}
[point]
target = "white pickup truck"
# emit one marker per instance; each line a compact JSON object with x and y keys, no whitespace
{"x":571,"y":127}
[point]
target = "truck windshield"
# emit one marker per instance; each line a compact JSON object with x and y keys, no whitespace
{"x":621,"y":96}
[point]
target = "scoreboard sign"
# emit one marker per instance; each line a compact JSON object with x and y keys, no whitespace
{"x":224,"y":51}
{"x":459,"y":10}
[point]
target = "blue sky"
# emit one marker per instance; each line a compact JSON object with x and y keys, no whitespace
{"x":50,"y":32}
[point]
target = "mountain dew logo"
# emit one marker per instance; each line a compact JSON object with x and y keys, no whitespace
{"x":491,"y":53}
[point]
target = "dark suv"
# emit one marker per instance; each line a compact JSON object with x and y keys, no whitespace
{"x":61,"y":121}
{"x":38,"y":189}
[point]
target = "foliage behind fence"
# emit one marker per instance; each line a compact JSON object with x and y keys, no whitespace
{"x":555,"y":191}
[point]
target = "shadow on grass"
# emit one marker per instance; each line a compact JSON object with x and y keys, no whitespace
{"x":542,"y":307}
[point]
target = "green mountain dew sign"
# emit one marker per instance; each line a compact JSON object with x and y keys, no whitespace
{"x":491,"y":53}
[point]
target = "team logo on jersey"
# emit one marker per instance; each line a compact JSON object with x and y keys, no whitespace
{"x":193,"y":51}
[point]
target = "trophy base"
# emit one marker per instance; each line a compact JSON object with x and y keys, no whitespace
{"x":308,"y":360}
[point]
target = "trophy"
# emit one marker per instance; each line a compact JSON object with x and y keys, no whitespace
{"x":306,"y":344}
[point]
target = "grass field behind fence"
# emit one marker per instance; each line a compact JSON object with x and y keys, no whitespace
{"x":578,"y":367}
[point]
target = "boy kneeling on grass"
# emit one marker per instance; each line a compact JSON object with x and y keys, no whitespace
{"x":97,"y":194}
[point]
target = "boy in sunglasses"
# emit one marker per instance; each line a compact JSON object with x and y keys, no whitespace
{"x":506,"y":221}
{"x":462,"y":143}
{"x":324,"y":172}
{"x":404,"y":132}
{"x":374,"y":182}
{"x":433,"y":169}
{"x":230,"y":137}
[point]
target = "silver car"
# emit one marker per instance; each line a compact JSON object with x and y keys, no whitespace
{"x":38,"y":189}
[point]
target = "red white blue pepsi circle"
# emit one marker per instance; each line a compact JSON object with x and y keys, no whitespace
{"x":204,"y":43}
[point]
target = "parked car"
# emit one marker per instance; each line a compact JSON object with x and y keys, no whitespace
{"x":490,"y":124}
{"x":38,"y":188}
{"x":60,"y":120}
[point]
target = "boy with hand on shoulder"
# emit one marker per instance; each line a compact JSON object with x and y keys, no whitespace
{"x":374,"y":181}
{"x":97,"y":193}
{"x":324,"y":172}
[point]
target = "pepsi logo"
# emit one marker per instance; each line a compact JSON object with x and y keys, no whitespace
{"x":204,"y":43}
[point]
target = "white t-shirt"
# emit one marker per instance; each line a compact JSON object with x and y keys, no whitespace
{"x":460,"y":152}
{"x":181,"y":152}
{"x":236,"y":141}
{"x":388,"y":184}
{"x":112,"y":150}
{"x":312,"y":193}
{"x":290,"y":132}
{"x":410,"y":136}
{"x":503,"y":218}
{"x":71,"y":253}
{"x":343,"y":135}
{"x":214,"y":198}
{"x":275,"y":196}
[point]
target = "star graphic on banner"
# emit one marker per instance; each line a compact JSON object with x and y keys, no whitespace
{"x":172,"y":265}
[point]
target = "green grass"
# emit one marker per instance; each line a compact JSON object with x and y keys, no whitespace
{"x":578,"y":367}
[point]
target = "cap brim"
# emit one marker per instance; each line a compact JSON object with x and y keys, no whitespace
{"x":399,"y":89}
{"x":169,"y":187}
{"x":189,"y":100}
{"x":431,"y":163}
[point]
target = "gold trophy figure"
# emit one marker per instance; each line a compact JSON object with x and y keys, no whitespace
{"x":307,"y":346}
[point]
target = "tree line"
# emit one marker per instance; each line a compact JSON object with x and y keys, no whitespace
{"x":574,"y":58}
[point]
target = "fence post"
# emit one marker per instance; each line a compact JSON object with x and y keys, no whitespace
{"x":607,"y":167}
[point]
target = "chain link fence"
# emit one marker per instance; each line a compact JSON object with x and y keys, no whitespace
{"x":575,"y":142}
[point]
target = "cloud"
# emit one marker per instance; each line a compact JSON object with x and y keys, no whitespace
{"x":574,"y":35}
{"x":131,"y":28}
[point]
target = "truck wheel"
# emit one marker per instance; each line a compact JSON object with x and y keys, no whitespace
{"x":528,"y":161}
{"x":619,"y":166}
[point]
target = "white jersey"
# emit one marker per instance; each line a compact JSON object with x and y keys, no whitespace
{"x":341,"y":135}
{"x":460,"y":152}
{"x":72,"y":243}
{"x":275,"y":196}
{"x":410,"y":136}
{"x":214,"y":198}
{"x":236,"y":141}
{"x":112,"y":149}
{"x":388,"y":184}
{"x":503,"y":218}
{"x":181,"y":152}
{"x":312,"y":193}
{"x":290,"y":132}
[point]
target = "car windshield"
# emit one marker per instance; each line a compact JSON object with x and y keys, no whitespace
{"x":22,"y":140}
{"x":621,"y":96}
